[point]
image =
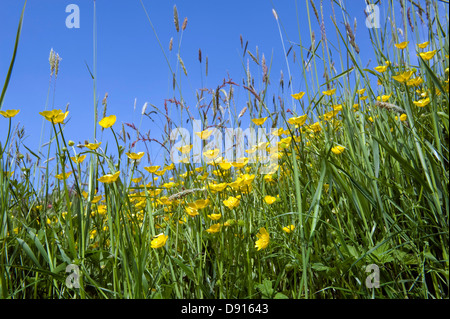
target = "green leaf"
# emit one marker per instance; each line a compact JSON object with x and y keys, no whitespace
{"x":34,"y":154}
{"x":185,"y":268}
{"x":360,"y":188}
{"x":430,"y":256}
{"x":404,"y":163}
{"x":432,"y":75}
{"x":280,"y":295}
{"x":320,"y":267}
{"x":265,"y":288}
{"x":92,"y":76}
{"x":37,"y":243}
{"x":342,"y":74}
{"x":13,"y":59}
{"x":28,"y":251}
{"x":376,"y":158}
{"x":42,"y":271}
{"x":382,"y":253}
{"x":167,"y":291}
{"x":353,"y":251}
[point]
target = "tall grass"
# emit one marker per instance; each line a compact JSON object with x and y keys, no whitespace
{"x":362,"y":182}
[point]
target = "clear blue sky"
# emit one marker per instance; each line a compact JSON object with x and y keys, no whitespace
{"x":130,"y":63}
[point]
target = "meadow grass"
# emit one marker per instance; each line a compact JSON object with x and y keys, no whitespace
{"x":359,"y":181}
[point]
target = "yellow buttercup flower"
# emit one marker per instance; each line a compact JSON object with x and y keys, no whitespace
{"x":109,"y":178}
{"x":159,"y":241}
{"x":381,"y":68}
{"x":269,"y":178}
{"x":63,"y":176}
{"x":423,"y":45}
{"x":402,"y":117}
{"x":231,"y":202}
{"x":191,"y":211}
{"x":329,"y":92}
{"x":102,"y":209}
{"x":9,"y":113}
{"x":78,"y":159}
{"x":185,"y":149}
{"x":218,"y":187}
{"x":214,"y":228}
{"x":136,"y":180}
{"x":422,"y":102}
{"x":202,"y":177}
{"x":427,"y":55}
{"x":315,"y":127}
{"x":225,"y":165}
{"x":96,"y":199}
{"x":108,"y":121}
{"x":54,"y":116}
{"x":338,"y":149}
{"x":401,"y":45}
{"x":278,"y":132}
{"x":298,"y":96}
{"x":284,"y":142}
{"x":384,"y":98}
{"x":201,"y":203}
{"x":261,"y":146}
{"x":404,"y":76}
{"x":135,"y":156}
{"x":247,"y":179}
{"x":329,"y":115}
{"x":93,"y":146}
{"x":92,"y":234}
{"x":204,"y":134}
{"x":417,"y":81}
{"x":289,"y":228}
{"x":168,"y":185}
{"x":215,"y":216}
{"x":61,"y":117}
{"x":361,"y":92}
{"x":152,"y":169}
{"x":299,"y":120}
{"x":211,"y":154}
{"x":259,"y":121}
{"x":240,"y":163}
{"x":263,"y":239}
{"x":269,"y":199}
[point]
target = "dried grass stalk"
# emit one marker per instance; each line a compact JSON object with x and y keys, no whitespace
{"x":175,"y":18}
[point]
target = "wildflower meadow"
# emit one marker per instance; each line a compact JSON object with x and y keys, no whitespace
{"x":337,"y":190}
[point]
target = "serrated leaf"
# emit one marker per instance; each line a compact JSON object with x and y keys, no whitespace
{"x":382,"y":253}
{"x":265,"y":288}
